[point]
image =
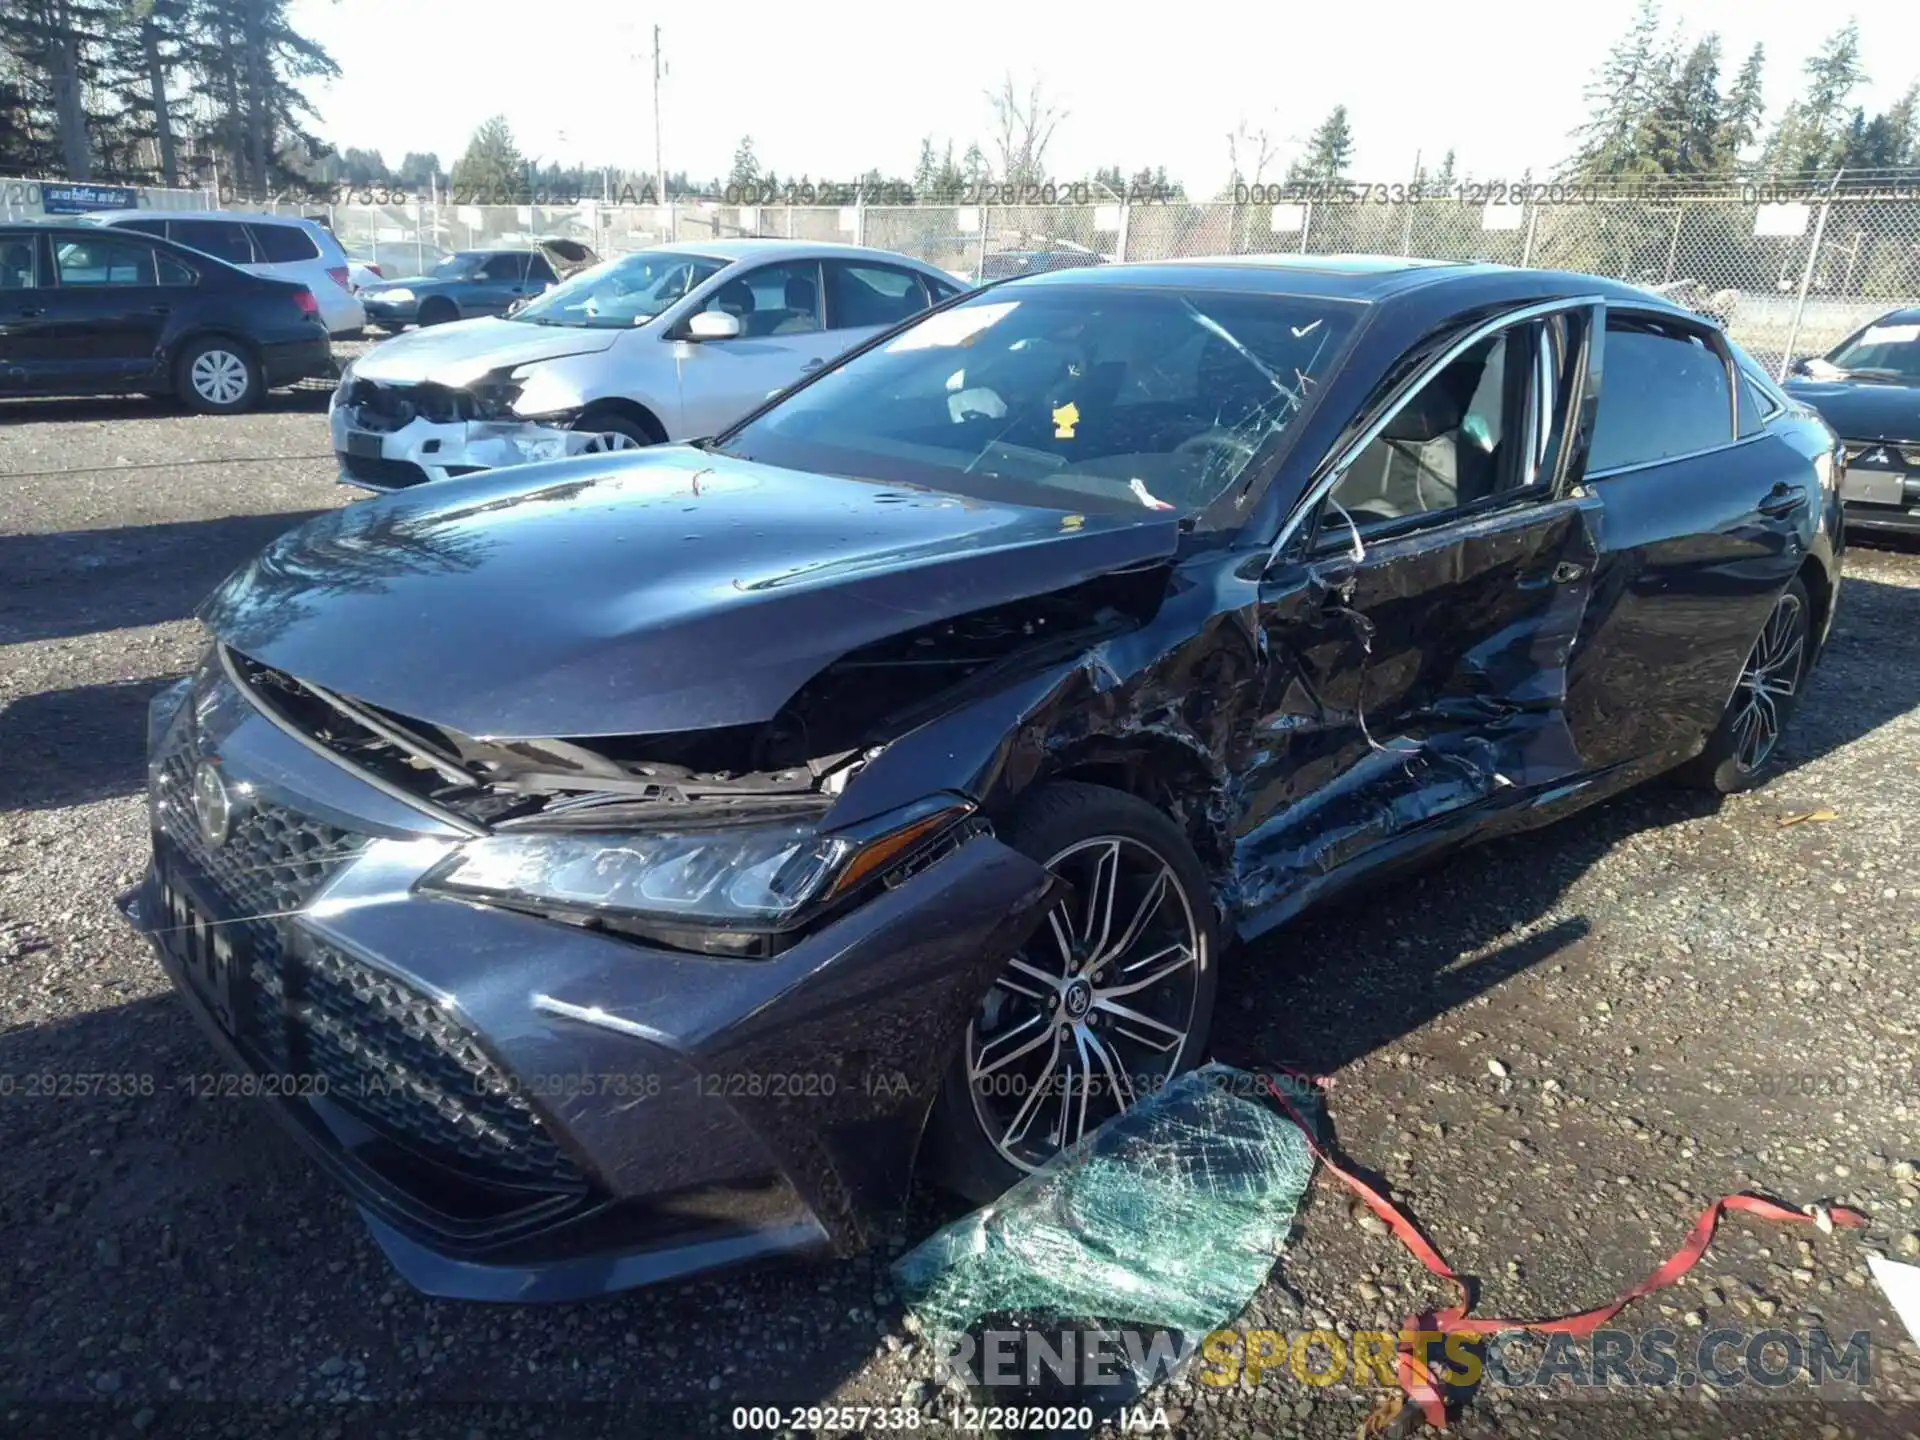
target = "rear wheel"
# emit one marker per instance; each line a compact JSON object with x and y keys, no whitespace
{"x":1748,"y":735}
{"x":1110,"y":997}
{"x":215,"y":376}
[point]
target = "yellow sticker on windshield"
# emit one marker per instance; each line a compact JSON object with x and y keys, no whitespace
{"x":1064,"y":420}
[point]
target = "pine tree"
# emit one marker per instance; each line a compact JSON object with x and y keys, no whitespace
{"x":1813,"y":133}
{"x":1622,"y":95}
{"x":1741,"y":111}
{"x":1681,"y":136}
{"x":493,"y":164}
{"x":1329,"y":151}
{"x":746,"y":167}
{"x":926,"y":169}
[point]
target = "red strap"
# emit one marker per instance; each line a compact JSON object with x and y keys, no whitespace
{"x":1415,"y":1376}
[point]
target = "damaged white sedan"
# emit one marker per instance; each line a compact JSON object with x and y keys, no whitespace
{"x":665,"y":344}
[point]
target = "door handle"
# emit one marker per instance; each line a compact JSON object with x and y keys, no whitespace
{"x":1783,"y":499}
{"x":1568,"y":571}
{"x":161,"y":310}
{"x":812,"y":365}
{"x":28,"y":312}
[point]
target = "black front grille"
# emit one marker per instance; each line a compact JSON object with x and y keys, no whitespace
{"x":384,"y":407}
{"x":397,"y":1059}
{"x":387,"y":1053}
{"x":379,"y":470}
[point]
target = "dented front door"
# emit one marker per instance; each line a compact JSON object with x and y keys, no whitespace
{"x":1410,"y":686}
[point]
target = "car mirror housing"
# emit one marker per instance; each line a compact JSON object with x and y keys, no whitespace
{"x":713,"y":325}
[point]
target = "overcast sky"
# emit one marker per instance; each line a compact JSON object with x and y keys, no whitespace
{"x":835,"y":89}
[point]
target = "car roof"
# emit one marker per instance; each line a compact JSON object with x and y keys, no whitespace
{"x":1367,"y":278}
{"x":748,"y":248}
{"x":247,"y":216}
{"x":1905,"y":315}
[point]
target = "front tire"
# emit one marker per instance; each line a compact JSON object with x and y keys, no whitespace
{"x":437,"y":312}
{"x":217,"y":376}
{"x":1110,"y":997}
{"x":1748,"y":735}
{"x":616,"y":432}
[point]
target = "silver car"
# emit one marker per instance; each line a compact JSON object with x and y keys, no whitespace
{"x":664,"y":344}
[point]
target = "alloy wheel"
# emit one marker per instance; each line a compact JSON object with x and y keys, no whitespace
{"x":610,"y":440}
{"x":218,"y":377}
{"x":1767,"y":684}
{"x":1096,"y":1011}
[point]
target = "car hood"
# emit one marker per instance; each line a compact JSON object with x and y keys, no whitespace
{"x":467,"y":349}
{"x":661,"y":591}
{"x":1861,"y":410}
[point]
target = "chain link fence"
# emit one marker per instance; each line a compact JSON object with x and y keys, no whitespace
{"x":1786,"y":277}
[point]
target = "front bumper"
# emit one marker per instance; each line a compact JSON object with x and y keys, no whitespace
{"x":423,"y":450}
{"x":380,"y":312}
{"x":525,"y":1110}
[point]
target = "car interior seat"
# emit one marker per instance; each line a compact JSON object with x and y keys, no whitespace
{"x":1429,"y":457}
{"x":736,"y":298}
{"x":802,"y":307}
{"x":16,"y":267}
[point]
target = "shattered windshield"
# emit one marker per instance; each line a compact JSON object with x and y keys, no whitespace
{"x":1066,"y":395}
{"x":619,"y":293}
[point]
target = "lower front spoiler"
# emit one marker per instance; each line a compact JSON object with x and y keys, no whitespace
{"x":553,"y":1266}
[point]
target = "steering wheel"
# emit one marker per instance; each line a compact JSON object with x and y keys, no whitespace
{"x":1217,"y":437}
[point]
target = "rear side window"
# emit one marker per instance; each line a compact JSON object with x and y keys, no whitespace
{"x":283,"y":244}
{"x":144,"y":227}
{"x":503,"y":267}
{"x":19,"y":264}
{"x":868,"y":295}
{"x":173,"y":270}
{"x":103,"y":262}
{"x":223,"y":239}
{"x":1663,"y":393}
{"x":540,"y":272}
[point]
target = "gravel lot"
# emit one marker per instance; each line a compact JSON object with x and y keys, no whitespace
{"x":1555,"y":1049}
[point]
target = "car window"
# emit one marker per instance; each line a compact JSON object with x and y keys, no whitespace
{"x":103,"y":262}
{"x":283,"y":244}
{"x":223,"y":239}
{"x":773,"y":299}
{"x":944,"y":289}
{"x":1120,"y":400}
{"x":503,"y":267}
{"x":1755,"y":407}
{"x":629,"y":290}
{"x":19,"y":264}
{"x":860,"y":296}
{"x":1459,"y":439}
{"x":1885,"y":349}
{"x":173,"y":270}
{"x":1663,"y":393}
{"x":143,"y":227}
{"x":540,"y":272}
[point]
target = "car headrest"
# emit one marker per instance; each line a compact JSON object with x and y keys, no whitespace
{"x":736,"y":296}
{"x":1441,"y":405}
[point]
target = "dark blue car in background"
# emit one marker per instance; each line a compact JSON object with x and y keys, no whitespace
{"x":474,"y":282}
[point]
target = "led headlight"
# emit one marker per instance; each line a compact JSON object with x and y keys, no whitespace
{"x":401,"y":296}
{"x":723,"y":890}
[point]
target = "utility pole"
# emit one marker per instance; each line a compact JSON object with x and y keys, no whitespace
{"x":659,"y":169}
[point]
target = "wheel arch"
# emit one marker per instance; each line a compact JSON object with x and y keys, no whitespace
{"x":627,"y":409}
{"x":1814,"y":574}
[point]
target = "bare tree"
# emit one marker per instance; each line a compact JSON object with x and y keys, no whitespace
{"x":1255,"y":148}
{"x":1022,"y":130}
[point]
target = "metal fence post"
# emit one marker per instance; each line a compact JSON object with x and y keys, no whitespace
{"x":1806,"y":276}
{"x":1673,"y":245}
{"x":859,"y":217}
{"x":1526,"y":246}
{"x":1120,"y":240}
{"x":980,"y":258}
{"x":1306,"y":224}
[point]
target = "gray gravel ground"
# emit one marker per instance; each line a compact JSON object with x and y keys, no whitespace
{"x":1554,"y":1049}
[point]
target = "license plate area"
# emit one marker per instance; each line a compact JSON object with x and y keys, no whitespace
{"x":364,"y":444}
{"x":208,"y":950}
{"x":1874,"y":487}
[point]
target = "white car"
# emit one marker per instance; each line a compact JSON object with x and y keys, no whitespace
{"x":671,"y":343}
{"x":286,"y":247}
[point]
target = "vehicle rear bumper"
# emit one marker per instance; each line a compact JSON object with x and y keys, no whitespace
{"x":288,"y":361}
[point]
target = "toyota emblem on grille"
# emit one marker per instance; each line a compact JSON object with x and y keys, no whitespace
{"x":211,"y":805}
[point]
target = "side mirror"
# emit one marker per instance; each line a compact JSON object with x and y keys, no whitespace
{"x":714,"y":325}
{"x":1802,"y":365}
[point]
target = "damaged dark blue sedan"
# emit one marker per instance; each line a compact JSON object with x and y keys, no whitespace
{"x":630,"y":865}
